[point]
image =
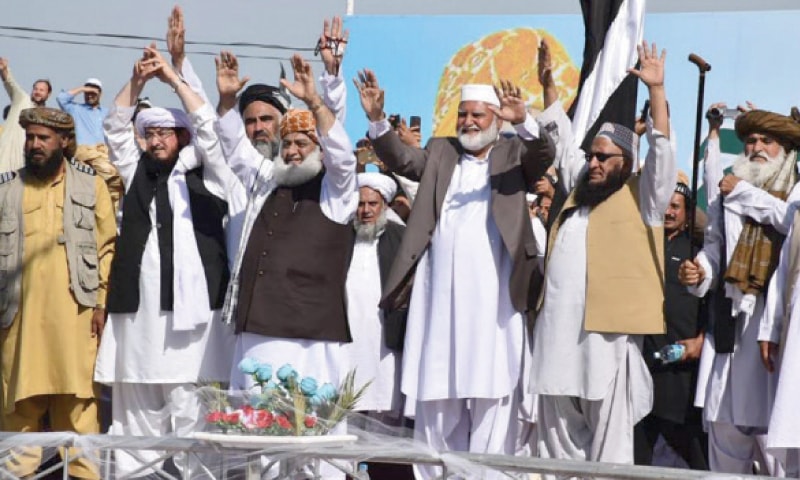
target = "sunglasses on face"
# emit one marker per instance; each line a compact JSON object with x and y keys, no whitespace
{"x":601,"y":157}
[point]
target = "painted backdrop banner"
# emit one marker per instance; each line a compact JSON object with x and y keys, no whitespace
{"x":421,"y":62}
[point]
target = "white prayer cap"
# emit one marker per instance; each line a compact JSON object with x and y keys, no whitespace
{"x":93,"y":82}
{"x":530,"y":198}
{"x":162,"y":117}
{"x":479,"y":93}
{"x":379,"y":182}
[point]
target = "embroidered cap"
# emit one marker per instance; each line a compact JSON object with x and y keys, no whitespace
{"x":49,"y":117}
{"x":623,"y":137}
{"x":299,"y":121}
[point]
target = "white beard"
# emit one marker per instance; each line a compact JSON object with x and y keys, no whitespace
{"x":291,"y":175}
{"x":367,"y":232}
{"x":473,"y":142}
{"x":756,"y":173}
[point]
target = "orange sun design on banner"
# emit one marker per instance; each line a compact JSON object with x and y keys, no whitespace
{"x":507,"y":55}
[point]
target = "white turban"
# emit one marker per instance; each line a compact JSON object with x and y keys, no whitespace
{"x":163,"y":118}
{"x":379,"y":182}
{"x":479,"y":93}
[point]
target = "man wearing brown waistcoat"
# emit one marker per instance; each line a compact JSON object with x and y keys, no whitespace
{"x":603,"y":284}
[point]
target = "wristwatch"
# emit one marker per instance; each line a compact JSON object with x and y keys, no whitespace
{"x":552,"y":178}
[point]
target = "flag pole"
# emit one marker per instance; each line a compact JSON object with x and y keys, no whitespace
{"x":703,"y":67}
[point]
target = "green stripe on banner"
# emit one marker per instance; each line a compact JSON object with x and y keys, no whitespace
{"x":731,"y":146}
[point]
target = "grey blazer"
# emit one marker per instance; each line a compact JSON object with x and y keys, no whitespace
{"x":515,"y":164}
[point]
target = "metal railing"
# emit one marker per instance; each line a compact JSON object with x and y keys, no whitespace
{"x":451,"y":462}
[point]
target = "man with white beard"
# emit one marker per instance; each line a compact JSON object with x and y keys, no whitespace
{"x":470,"y":242}
{"x":377,"y":334}
{"x":287,"y":295}
{"x":747,"y":211}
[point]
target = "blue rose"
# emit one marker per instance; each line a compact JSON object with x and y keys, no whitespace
{"x":308,"y":386}
{"x":263,"y":373}
{"x":328,"y":392}
{"x":271,"y":385}
{"x":286,"y":372}
{"x":316,"y":400}
{"x":248,"y":366}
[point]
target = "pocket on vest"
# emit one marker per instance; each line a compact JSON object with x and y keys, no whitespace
{"x":6,"y":278}
{"x":88,"y":276}
{"x":83,"y":211}
{"x":8,"y":226}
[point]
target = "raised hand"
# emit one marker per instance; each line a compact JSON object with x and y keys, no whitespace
{"x":412,"y":138}
{"x":228,"y":82}
{"x":651,"y":65}
{"x":332,"y":44}
{"x":544,"y":64}
{"x":512,"y":107}
{"x":161,"y":69}
{"x":544,"y":67}
{"x":303,"y":86}
{"x":372,"y":97}
{"x":175,"y":37}
{"x":143,"y":70}
{"x":3,"y":68}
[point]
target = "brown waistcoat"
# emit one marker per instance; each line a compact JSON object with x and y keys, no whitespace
{"x":294,"y":269}
{"x":624,"y":271}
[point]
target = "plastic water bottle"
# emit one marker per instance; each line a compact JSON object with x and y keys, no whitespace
{"x":670,"y":354}
{"x":362,"y":474}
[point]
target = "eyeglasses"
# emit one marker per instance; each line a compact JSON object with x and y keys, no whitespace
{"x":150,"y":135}
{"x":601,"y":157}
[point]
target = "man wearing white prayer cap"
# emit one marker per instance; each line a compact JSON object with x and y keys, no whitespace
{"x":470,"y":248}
{"x":164,"y":333}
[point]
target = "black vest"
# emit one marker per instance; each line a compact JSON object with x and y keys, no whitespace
{"x":208,"y":213}
{"x":394,"y":321}
{"x":292,"y":281}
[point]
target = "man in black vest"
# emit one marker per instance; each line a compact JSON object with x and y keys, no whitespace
{"x":168,"y":281}
{"x":674,"y":416}
{"x":287,"y":296}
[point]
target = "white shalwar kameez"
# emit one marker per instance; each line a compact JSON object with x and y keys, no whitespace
{"x":592,"y":387}
{"x":368,"y":354}
{"x":780,"y":325}
{"x":464,"y":339}
{"x":734,"y":389}
{"x":154,"y":368}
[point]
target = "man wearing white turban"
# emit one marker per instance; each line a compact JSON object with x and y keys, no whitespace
{"x":169,"y":277}
{"x":470,"y":248}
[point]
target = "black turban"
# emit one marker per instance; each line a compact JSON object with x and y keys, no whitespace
{"x":264,"y":93}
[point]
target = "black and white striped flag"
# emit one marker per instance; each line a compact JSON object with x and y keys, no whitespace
{"x":607,"y":92}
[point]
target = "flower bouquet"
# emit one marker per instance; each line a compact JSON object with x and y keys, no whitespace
{"x":285,"y":405}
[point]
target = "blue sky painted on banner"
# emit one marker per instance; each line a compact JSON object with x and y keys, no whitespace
{"x":750,"y":54}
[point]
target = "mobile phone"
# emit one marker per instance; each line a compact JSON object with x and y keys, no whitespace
{"x":394,"y":120}
{"x":415,"y":121}
{"x":645,"y":110}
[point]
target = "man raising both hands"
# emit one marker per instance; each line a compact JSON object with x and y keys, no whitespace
{"x":471,"y":244}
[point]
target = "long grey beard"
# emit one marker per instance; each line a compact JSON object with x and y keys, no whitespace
{"x":756,"y":173}
{"x":291,"y":175}
{"x":475,"y":142}
{"x":266,"y":149}
{"x":367,"y":232}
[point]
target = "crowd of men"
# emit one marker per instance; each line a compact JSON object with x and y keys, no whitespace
{"x":503,"y":290}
